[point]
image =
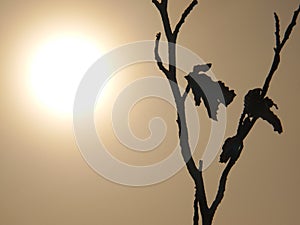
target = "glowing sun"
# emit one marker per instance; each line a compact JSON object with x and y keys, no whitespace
{"x":57,"y":68}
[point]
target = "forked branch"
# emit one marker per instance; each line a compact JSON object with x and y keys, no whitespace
{"x":162,"y":8}
{"x":246,"y":123}
{"x":279,"y":46}
{"x":290,"y":27}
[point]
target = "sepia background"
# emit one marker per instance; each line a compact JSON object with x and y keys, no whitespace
{"x":45,"y":180}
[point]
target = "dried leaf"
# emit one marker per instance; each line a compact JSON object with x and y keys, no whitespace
{"x":210,"y":92}
{"x":197,"y":91}
{"x":231,"y":149}
{"x":257,"y":106}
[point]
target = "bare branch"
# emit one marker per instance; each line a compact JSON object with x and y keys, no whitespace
{"x":246,"y":122}
{"x":278,"y":48}
{"x":290,"y":27}
{"x":183,"y":17}
{"x":274,"y":67}
{"x":162,"y":8}
{"x":277,"y":30}
{"x":158,"y":58}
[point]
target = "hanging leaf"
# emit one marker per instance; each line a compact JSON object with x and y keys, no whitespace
{"x":257,"y":106}
{"x":231,"y":149}
{"x":212,"y":93}
{"x":197,"y":91}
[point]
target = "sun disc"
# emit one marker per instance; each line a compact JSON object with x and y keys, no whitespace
{"x":57,"y":68}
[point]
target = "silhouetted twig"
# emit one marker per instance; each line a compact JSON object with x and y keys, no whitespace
{"x":279,"y":46}
{"x":277,"y":29}
{"x":158,"y":58}
{"x":290,"y":27}
{"x":183,"y":17}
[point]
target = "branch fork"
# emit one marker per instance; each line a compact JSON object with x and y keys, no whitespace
{"x":246,"y":121}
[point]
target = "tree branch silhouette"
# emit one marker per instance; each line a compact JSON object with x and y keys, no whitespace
{"x":246,"y":123}
{"x":171,"y":75}
{"x":181,"y":120}
{"x":256,"y":105}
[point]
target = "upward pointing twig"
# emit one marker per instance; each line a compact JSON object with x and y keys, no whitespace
{"x":277,"y":29}
{"x":183,"y":17}
{"x":290,"y":27}
{"x":279,"y":46}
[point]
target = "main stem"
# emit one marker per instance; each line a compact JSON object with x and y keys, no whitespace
{"x":184,"y":139}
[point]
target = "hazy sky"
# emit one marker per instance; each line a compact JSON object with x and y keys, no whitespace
{"x":45,"y":180}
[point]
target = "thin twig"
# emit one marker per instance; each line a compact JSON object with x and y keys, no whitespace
{"x":290,"y":27}
{"x":277,"y":29}
{"x":279,"y":47}
{"x":158,"y":58}
{"x":183,"y":17}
